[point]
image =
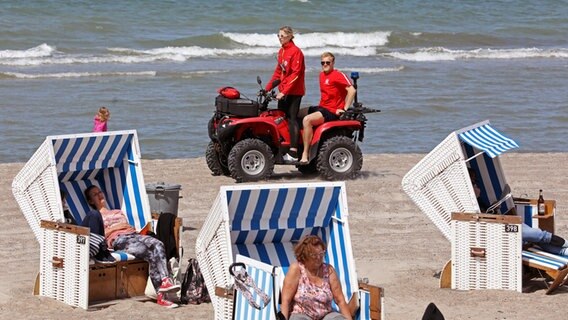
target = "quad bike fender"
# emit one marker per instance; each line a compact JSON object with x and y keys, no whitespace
{"x":259,"y":126}
{"x":352,"y":125}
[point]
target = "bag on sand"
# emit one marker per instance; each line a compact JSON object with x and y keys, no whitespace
{"x":193,"y":289}
{"x":432,"y":313}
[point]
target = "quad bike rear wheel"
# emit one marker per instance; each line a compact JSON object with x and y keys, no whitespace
{"x":340,"y":158}
{"x":215,"y":161}
{"x":251,"y":160}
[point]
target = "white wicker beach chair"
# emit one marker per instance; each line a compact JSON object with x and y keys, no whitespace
{"x":71,"y":163}
{"x":262,"y":222}
{"x":486,"y":249}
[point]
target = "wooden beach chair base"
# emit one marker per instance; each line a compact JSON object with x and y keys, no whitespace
{"x":446,"y":276}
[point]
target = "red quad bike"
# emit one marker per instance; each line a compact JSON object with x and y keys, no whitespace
{"x":248,"y":139}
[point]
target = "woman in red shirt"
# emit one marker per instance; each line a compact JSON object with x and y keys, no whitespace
{"x":290,"y":70}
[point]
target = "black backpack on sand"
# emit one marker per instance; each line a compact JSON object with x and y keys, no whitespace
{"x":193,"y":289}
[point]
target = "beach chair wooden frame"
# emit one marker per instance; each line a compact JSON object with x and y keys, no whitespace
{"x":262,"y":223}
{"x":440,"y":185}
{"x":109,"y":160}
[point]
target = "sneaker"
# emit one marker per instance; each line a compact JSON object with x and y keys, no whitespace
{"x":168,"y":286}
{"x":104,"y":257}
{"x":164,"y":302}
{"x":288,"y":158}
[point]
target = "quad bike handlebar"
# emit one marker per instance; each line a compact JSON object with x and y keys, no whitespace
{"x":357,"y":112}
{"x":264,"y":97}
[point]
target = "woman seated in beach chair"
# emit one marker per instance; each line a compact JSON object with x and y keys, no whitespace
{"x":98,"y":249}
{"x":120,"y":235}
{"x":310,"y":285}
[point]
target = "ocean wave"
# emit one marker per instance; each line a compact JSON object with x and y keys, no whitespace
{"x":315,"y":39}
{"x":47,"y":55}
{"x":184,"y":53}
{"x":43,"y":50}
{"x":376,"y":70}
{"x":444,"y":54}
{"x":75,"y":74}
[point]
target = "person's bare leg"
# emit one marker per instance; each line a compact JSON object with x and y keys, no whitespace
{"x":309,"y":122}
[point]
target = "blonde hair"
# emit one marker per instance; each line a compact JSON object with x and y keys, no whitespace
{"x":328,"y":54}
{"x":288,"y":31}
{"x":306,"y":246}
{"x":103,"y":114}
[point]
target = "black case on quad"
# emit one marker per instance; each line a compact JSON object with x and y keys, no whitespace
{"x":237,"y":107}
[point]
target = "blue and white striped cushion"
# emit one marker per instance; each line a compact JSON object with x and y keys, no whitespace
{"x":122,"y":256}
{"x":545,"y":259}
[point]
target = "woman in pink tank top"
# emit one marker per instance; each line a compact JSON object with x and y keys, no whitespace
{"x":311,"y":285}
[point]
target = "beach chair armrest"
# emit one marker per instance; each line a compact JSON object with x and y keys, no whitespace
{"x":65,"y":227}
{"x":224,"y":292}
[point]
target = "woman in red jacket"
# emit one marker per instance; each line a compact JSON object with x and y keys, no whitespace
{"x":290,"y":70}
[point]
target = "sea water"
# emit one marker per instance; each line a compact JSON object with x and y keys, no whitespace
{"x":431,"y":67}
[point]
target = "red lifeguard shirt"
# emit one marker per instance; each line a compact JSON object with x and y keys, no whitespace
{"x":290,"y":69}
{"x":333,"y":90}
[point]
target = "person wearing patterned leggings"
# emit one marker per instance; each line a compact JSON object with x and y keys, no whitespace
{"x":120,"y":235}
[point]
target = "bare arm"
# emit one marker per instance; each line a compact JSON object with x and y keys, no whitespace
{"x":348,"y":99}
{"x":338,"y":293}
{"x":289,"y":289}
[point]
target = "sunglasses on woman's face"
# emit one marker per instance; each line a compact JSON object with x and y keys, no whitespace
{"x":317,"y":255}
{"x":325,"y":63}
{"x":282,"y":36}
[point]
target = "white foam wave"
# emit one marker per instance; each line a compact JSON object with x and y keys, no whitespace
{"x":443,"y":54}
{"x":193,"y":52}
{"x":43,"y":50}
{"x":88,"y":59}
{"x":43,"y":54}
{"x":77,"y":74}
{"x":314,"y":40}
{"x":376,"y":70}
{"x":179,"y":54}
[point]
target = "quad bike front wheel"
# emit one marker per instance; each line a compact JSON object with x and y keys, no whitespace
{"x":251,"y":160}
{"x":340,"y":158}
{"x":215,"y":161}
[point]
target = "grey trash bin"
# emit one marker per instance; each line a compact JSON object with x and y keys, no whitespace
{"x":163,"y":197}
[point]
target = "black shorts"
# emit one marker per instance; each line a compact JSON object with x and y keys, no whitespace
{"x":327,"y":115}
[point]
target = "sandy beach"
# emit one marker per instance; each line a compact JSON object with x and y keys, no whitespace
{"x":395,"y":245}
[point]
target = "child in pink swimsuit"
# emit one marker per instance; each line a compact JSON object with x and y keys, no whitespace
{"x":101,"y":119}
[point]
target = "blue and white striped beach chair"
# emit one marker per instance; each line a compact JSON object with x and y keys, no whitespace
{"x":71,"y":163}
{"x":440,"y":185}
{"x":262,"y":222}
